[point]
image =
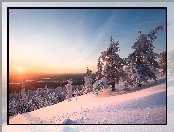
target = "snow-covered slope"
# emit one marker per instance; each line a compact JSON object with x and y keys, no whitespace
{"x":146,"y":105}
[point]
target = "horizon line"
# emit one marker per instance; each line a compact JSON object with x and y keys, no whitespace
{"x":45,"y":73}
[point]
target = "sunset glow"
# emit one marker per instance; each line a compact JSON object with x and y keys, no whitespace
{"x":20,"y":70}
{"x":69,"y":41}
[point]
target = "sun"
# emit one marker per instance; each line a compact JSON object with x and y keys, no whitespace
{"x":20,"y":69}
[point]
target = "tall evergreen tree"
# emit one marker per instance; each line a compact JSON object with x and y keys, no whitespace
{"x":113,"y":67}
{"x":142,"y":59}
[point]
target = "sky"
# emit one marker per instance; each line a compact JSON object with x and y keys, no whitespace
{"x":70,"y":40}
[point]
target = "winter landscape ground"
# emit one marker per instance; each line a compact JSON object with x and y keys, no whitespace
{"x":140,"y":105}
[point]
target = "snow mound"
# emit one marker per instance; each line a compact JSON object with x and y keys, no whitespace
{"x":69,"y":121}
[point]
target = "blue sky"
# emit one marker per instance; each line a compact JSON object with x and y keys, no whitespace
{"x":68,"y":41}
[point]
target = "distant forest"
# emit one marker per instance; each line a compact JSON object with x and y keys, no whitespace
{"x":78,"y":79}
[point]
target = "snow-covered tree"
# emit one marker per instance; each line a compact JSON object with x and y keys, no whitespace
{"x":23,"y":93}
{"x":88,"y":81}
{"x":69,"y":89}
{"x":99,"y":69}
{"x":113,"y":67}
{"x":97,"y":87}
{"x":162,"y":62}
{"x":142,"y":59}
{"x":12,"y":107}
{"x":76,"y":91}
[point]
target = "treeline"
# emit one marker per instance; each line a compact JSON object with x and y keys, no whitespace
{"x":34,"y":85}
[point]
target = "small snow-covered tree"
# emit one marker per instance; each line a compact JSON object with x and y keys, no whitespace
{"x":162,"y":62}
{"x":23,"y":93}
{"x":12,"y":107}
{"x":142,"y":59}
{"x":99,"y":69}
{"x":69,"y":89}
{"x":88,"y":81}
{"x":97,"y":87}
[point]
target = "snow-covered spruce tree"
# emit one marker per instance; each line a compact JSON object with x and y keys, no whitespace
{"x":113,"y":67}
{"x":88,"y":81}
{"x":162,"y":62}
{"x":69,"y":89}
{"x":99,"y":69}
{"x":24,"y":97}
{"x":96,"y":85}
{"x":142,"y":59}
{"x":23,"y":93}
{"x":12,"y":107}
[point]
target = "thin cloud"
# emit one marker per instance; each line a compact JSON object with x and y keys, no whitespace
{"x":100,"y":33}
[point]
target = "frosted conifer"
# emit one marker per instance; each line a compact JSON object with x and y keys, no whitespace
{"x":23,"y":93}
{"x":88,"y":81}
{"x":99,"y":69}
{"x":69,"y":89}
{"x":142,"y":59}
{"x":113,"y":67}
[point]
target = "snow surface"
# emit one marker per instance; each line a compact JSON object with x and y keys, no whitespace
{"x":141,"y":105}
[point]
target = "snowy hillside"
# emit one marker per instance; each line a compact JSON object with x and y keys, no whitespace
{"x":145,"y":106}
